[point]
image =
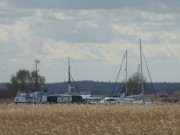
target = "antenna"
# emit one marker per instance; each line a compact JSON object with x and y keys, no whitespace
{"x":69,"y":75}
{"x":69,"y":70}
{"x":36,"y":70}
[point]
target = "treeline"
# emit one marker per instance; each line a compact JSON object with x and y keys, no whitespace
{"x":3,"y":93}
{"x":23,"y":80}
{"x":100,"y":88}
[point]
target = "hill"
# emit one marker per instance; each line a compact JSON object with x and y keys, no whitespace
{"x":96,"y":88}
{"x":3,"y":86}
{"x":103,"y":88}
{"x":106,"y":88}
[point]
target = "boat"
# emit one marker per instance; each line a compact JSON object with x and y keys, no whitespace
{"x":140,"y":99}
{"x":34,"y":96}
{"x":42,"y":96}
{"x":109,"y":100}
{"x":70,"y":96}
{"x":31,"y":97}
{"x":92,"y":100}
{"x":124,"y":98}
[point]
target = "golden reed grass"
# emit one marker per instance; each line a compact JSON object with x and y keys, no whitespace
{"x":81,"y":119}
{"x":6,"y":100}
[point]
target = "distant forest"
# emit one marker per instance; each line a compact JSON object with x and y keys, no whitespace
{"x":99,"y":88}
{"x":106,"y":88}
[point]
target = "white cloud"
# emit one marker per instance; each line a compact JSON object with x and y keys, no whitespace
{"x":169,"y":36}
{"x":163,"y":6}
{"x":162,"y":53}
{"x":88,"y":18}
{"x":129,"y":30}
{"x":61,"y":16}
{"x":113,"y":52}
{"x":4,"y":4}
{"x":92,"y":33}
{"x":87,"y":24}
{"x":157,"y":17}
{"x":21,"y":35}
{"x":61,"y":50}
{"x":90,"y":14}
{"x":4,"y":36}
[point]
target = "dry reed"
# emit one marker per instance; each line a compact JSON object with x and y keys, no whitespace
{"x":6,"y":100}
{"x":80,"y":119}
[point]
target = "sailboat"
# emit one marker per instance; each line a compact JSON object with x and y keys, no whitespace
{"x":130,"y":99}
{"x":141,"y":80}
{"x":141,"y":95}
{"x":122,"y":97}
{"x":70,"y":96}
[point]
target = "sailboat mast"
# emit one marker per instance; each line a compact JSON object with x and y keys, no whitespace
{"x":142,"y":86}
{"x":138,"y":77}
{"x":126,"y":71}
{"x":36,"y":70}
{"x":69,"y":76}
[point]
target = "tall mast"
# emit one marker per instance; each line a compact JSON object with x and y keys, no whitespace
{"x":138,"y":77}
{"x":36,"y":70}
{"x":126,"y":71}
{"x":142,"y":86}
{"x":69,"y":76}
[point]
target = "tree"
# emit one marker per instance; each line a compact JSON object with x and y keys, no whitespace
{"x":3,"y":93}
{"x":134,"y":84}
{"x":41,"y":80}
{"x":24,"y":80}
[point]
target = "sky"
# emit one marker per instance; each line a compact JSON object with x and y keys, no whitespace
{"x":95,"y":34}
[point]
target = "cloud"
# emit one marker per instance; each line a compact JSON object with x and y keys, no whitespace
{"x":157,"y":17}
{"x":4,"y":4}
{"x":169,"y":36}
{"x":61,"y":50}
{"x":89,"y":31}
{"x":131,"y":31}
{"x":153,"y":5}
{"x":85,"y":24}
{"x":59,"y":15}
{"x":4,"y":36}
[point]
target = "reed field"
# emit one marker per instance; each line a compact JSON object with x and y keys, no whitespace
{"x":83,"y":119}
{"x":6,"y":100}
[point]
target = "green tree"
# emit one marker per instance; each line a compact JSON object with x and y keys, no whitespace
{"x":41,"y":79}
{"x":24,"y":80}
{"x":134,"y":84}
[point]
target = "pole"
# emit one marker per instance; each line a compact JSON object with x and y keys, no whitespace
{"x":138,"y":77}
{"x":36,"y":70}
{"x":69,"y":76}
{"x":126,"y":71}
{"x":142,"y":86}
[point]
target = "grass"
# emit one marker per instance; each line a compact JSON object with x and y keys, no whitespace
{"x":6,"y":100}
{"x":80,"y":119}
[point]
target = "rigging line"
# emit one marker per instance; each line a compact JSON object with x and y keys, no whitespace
{"x":74,"y":83}
{"x":121,"y":88}
{"x":149,"y":75}
{"x":133,"y":87}
{"x":118,"y":74}
{"x":138,"y":80}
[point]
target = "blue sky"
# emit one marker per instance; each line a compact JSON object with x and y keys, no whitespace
{"x":95,"y":34}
